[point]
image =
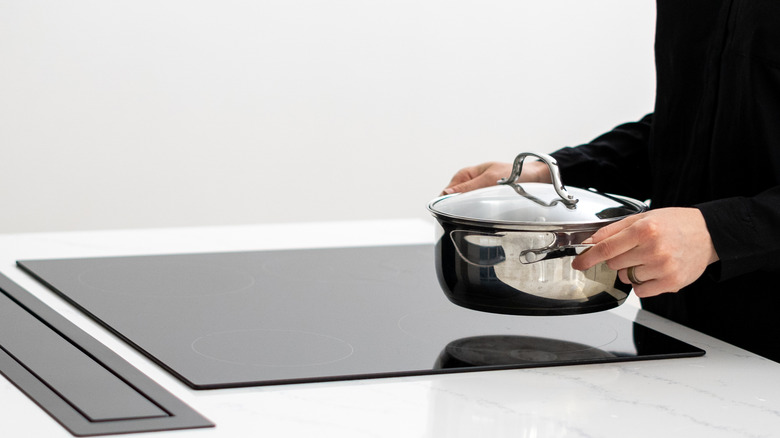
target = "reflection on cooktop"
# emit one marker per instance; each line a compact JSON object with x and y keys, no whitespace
{"x":270,"y":317}
{"x":510,"y":350}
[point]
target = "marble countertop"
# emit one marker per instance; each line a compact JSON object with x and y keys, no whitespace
{"x":726,"y":393}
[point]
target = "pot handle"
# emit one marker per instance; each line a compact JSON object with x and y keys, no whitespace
{"x":537,"y":255}
{"x":555,"y":175}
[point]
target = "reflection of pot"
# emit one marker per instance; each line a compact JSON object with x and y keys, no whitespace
{"x":508,"y":248}
{"x":506,"y":350}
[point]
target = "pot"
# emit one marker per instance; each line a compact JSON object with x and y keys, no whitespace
{"x":508,"y":248}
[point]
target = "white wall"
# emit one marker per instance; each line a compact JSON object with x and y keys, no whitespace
{"x":157,"y":113}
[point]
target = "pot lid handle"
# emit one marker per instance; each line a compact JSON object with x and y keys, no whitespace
{"x":555,"y":174}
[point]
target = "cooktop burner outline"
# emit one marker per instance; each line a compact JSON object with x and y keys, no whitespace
{"x":360,"y":306}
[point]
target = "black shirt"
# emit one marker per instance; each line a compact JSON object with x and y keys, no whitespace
{"x":712,"y":142}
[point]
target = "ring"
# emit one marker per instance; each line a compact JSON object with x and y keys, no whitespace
{"x":631,"y":272}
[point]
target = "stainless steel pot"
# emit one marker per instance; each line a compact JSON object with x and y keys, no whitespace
{"x":508,"y":248}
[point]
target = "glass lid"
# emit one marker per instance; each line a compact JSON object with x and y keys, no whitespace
{"x":534,"y":203}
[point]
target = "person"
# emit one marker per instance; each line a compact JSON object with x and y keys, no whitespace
{"x":707,"y":253}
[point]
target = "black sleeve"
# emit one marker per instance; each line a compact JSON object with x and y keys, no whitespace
{"x":745,"y":232}
{"x":616,"y":162}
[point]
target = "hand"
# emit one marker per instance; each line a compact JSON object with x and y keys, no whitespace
{"x":488,"y":174}
{"x":670,"y":248}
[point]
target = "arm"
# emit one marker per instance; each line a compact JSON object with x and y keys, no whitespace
{"x":615,"y":162}
{"x":745,"y":232}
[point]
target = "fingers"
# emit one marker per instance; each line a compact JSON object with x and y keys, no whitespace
{"x":480,"y":181}
{"x":476,"y":177}
{"x":613,"y":228}
{"x":620,"y":245}
{"x":461,"y":179}
{"x":642,"y":275}
{"x":614,"y":243}
{"x":656,"y":285}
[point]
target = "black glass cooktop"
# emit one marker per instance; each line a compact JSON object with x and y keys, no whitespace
{"x":268,"y":317}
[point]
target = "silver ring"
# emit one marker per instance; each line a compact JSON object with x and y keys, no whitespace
{"x":631,"y":273}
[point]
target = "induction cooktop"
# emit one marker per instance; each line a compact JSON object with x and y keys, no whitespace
{"x":221,"y":320}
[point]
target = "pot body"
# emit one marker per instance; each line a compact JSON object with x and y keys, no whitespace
{"x":488,"y":269}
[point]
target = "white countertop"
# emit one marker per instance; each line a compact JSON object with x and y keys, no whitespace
{"x":726,"y":393}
